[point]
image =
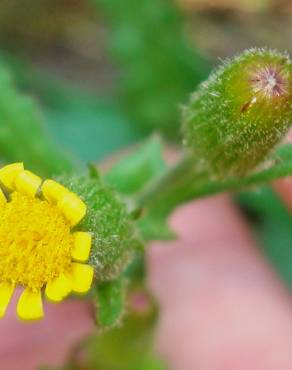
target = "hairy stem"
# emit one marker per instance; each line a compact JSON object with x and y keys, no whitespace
{"x":172,"y":187}
{"x":187,"y":180}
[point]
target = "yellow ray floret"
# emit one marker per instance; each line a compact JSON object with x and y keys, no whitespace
{"x":6,"y":291}
{"x":53,"y":191}
{"x":37,"y":246}
{"x":9,"y":173}
{"x":3,"y":199}
{"x":82,"y":277}
{"x":58,"y":288}
{"x":82,"y":244}
{"x":72,"y":207}
{"x":27,"y":183}
{"x":30,"y":305}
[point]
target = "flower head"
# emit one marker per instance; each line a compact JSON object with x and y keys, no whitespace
{"x":40,"y":245}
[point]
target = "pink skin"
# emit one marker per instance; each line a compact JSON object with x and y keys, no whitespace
{"x":222,"y":306}
{"x":26,"y":346}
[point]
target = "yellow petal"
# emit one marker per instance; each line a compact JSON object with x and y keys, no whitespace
{"x":6,"y":291}
{"x":53,"y":191}
{"x":82,"y":246}
{"x":72,"y":207}
{"x":82,"y":277}
{"x":8,"y":174}
{"x":59,"y":288}
{"x":27,"y":183}
{"x":3,"y":199}
{"x":30,"y":305}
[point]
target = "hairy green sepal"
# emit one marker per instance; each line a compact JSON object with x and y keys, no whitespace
{"x":114,"y":235}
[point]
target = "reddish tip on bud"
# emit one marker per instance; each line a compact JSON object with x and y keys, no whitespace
{"x":270,"y":82}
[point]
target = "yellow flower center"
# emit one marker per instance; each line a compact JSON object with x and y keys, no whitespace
{"x":38,"y":247}
{"x":35,"y":241}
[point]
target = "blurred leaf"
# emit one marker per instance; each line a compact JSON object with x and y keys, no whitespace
{"x":91,"y":131}
{"x":110,"y":302}
{"x":87,"y":125}
{"x":133,"y":172}
{"x":273,"y":228}
{"x":158,"y":67}
{"x":136,"y":270}
{"x":23,"y":136}
{"x":155,"y":227}
{"x":234,"y":5}
{"x":93,"y":172}
{"x":129,"y":347}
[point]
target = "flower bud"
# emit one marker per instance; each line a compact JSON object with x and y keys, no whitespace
{"x":240,"y":113}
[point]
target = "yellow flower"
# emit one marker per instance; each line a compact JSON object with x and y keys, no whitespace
{"x":38,"y":248}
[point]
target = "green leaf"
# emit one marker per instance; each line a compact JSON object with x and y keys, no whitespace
{"x":133,"y":172}
{"x":110,"y":302}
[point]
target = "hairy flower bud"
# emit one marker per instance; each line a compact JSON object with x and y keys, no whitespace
{"x":240,"y":113}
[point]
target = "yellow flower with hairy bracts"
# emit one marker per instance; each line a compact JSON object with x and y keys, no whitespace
{"x":40,"y":245}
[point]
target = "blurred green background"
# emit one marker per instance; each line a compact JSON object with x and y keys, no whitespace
{"x":108,"y":72}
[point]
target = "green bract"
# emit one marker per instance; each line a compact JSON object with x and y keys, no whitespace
{"x":240,"y":113}
{"x":114,"y":235}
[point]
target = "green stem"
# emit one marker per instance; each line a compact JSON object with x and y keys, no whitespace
{"x":174,"y":187}
{"x":165,"y":183}
{"x":186,"y":181}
